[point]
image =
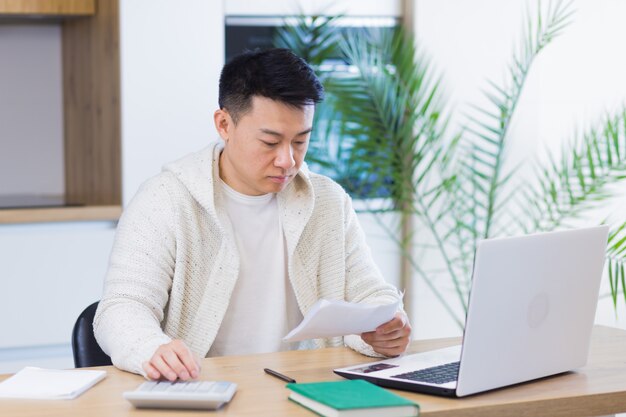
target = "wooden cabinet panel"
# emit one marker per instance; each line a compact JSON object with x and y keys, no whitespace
{"x":91,"y":88}
{"x":91,"y":109}
{"x":59,"y":214}
{"x":28,"y":8}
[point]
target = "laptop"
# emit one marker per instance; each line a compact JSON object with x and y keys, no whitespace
{"x":531,"y":310}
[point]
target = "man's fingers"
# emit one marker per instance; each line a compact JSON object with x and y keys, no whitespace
{"x":187,"y":357}
{"x":174,"y":361}
{"x":391,"y":338}
{"x":377,"y":340}
{"x":396,"y":323}
{"x":164,"y":369}
{"x":372,"y":336}
{"x":151,"y":371}
{"x":401,"y":333}
{"x":389,"y":347}
{"x":390,"y":352}
{"x":192,"y":366}
{"x":386,"y":344}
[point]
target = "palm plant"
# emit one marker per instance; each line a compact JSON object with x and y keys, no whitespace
{"x":389,"y":121}
{"x":394,"y":107}
{"x":484,"y":200}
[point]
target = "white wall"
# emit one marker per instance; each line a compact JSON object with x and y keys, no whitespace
{"x":171,"y":60}
{"x":574,"y":81}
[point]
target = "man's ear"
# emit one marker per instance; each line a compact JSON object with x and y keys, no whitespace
{"x":223,"y":123}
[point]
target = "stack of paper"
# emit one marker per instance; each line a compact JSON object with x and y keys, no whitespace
{"x":339,"y":318}
{"x":49,"y":384}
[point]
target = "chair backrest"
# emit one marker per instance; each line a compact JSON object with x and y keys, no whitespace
{"x":85,"y":348}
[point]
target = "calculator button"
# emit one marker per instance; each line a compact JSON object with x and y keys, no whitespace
{"x":221,"y":387}
{"x":178,"y":387}
{"x":193,"y":386}
{"x":147,"y":386}
{"x":161,"y":386}
{"x":205,"y":387}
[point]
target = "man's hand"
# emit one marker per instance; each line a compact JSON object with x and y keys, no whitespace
{"x":173,"y":361}
{"x":391,"y":338}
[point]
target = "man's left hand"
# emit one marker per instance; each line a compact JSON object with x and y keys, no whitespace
{"x":391,"y":338}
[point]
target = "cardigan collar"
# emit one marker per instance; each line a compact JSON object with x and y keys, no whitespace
{"x":199,"y":173}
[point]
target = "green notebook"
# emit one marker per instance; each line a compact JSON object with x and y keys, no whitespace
{"x":351,"y":398}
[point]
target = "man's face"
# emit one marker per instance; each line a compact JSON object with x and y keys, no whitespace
{"x":265,"y":149}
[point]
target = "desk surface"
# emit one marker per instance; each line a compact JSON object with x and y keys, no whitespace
{"x":597,"y":389}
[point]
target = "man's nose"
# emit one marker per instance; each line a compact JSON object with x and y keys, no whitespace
{"x":284,"y":159}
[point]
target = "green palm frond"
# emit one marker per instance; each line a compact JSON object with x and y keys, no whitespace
{"x":313,"y":38}
{"x":392,"y":104}
{"x":565,"y":186}
{"x":488,"y":126}
{"x":324,"y":151}
{"x":616,"y":259}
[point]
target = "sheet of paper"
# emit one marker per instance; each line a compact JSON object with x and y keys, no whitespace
{"x":49,"y":384}
{"x":340,"y":318}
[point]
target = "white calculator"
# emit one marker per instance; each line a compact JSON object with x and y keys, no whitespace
{"x":205,"y":395}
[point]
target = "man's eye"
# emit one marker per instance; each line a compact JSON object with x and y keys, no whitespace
{"x":270,"y":144}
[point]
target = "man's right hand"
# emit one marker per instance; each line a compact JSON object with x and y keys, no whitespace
{"x":172,"y":361}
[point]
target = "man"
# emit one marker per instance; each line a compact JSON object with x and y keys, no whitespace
{"x":224,"y":251}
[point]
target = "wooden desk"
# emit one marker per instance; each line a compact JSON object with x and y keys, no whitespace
{"x":597,"y":389}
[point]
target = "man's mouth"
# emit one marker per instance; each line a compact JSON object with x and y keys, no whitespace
{"x":280,"y":179}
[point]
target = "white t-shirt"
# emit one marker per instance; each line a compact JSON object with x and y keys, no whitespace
{"x":263,"y":306}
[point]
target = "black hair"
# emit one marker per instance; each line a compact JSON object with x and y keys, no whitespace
{"x":277,"y":74}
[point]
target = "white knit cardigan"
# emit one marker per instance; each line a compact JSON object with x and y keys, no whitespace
{"x":174,"y":261}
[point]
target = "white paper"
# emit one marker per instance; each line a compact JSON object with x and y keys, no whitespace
{"x":49,"y":384}
{"x":339,"y":318}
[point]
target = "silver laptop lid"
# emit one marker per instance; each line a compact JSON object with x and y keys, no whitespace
{"x":532,"y":307}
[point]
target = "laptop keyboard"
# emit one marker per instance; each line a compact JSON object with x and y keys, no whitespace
{"x":436,"y":375}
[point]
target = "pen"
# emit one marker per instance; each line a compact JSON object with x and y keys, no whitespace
{"x":279,"y":375}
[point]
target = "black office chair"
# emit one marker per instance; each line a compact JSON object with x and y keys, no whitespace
{"x":85,"y":348}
